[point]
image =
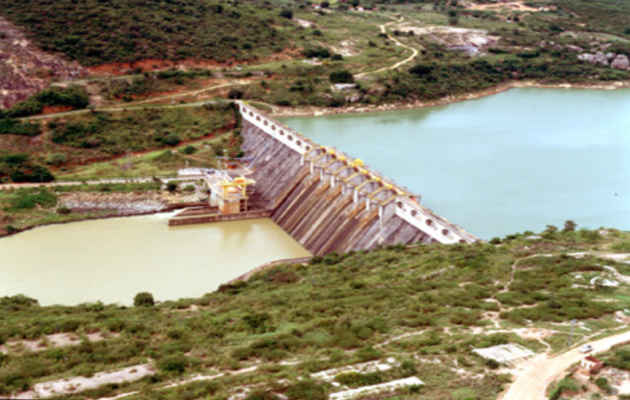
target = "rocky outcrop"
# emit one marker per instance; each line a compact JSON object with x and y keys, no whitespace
{"x":617,"y":61}
{"x":621,"y":62}
{"x":24,"y":69}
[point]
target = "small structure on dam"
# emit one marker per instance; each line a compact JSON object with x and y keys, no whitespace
{"x":229,"y":194}
{"x":327,"y":200}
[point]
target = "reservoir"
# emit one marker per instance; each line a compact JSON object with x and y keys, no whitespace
{"x":111,"y":260}
{"x":507,"y":163}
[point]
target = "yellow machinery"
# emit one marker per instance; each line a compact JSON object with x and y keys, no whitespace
{"x":230,"y":195}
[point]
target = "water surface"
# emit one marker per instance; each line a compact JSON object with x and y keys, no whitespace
{"x":113,"y":259}
{"x":506,"y":163}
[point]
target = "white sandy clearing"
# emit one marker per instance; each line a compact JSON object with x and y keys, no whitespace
{"x":52,"y":341}
{"x":504,"y":352}
{"x":366,"y":367}
{"x":77,"y":384}
{"x":376,"y":389}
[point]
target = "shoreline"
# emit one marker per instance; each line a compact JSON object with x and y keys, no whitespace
{"x":93,"y":218}
{"x":308,"y":111}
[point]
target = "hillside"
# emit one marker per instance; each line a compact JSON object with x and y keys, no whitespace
{"x":425,"y":307}
{"x":96,"y":32}
{"x":289,"y":54}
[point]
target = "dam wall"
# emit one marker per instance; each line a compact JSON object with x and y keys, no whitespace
{"x":328,"y":201}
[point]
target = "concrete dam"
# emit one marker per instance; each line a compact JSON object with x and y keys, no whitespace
{"x":328,"y":201}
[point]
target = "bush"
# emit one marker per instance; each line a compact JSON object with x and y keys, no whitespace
{"x":306,"y":390}
{"x":355,"y":379}
{"x":286,"y":14}
{"x":343,"y":76}
{"x":28,"y":200}
{"x":257,"y":322}
{"x":189,"y":150}
{"x":12,"y":127}
{"x":172,"y":139}
{"x":143,"y":299}
{"x":317,"y":52}
{"x":176,"y":364}
{"x":57,"y":159}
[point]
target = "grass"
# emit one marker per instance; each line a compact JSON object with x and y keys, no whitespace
{"x":336,"y":311}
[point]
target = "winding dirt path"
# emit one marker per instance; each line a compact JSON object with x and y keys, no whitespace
{"x":414,"y":52}
{"x":542,"y":370}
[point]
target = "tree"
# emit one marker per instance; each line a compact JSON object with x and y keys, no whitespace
{"x":569,"y":226}
{"x":326,"y":4}
{"x":286,"y":14}
{"x":171,"y":187}
{"x":143,"y":299}
{"x":342,"y":76}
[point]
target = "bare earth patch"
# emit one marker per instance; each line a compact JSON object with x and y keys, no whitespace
{"x":451,"y":36}
{"x":77,"y":384}
{"x":52,"y":341}
{"x":24,"y":69}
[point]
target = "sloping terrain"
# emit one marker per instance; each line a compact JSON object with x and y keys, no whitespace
{"x":418,"y":311}
{"x":24,"y":68}
{"x":97,"y":32}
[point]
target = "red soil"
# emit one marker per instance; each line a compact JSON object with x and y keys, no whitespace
{"x":55,"y":109}
{"x":154,"y":65}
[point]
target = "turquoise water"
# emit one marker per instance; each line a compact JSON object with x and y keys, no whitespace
{"x":511,"y":162}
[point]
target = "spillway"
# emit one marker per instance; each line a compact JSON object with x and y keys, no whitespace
{"x":328,"y":201}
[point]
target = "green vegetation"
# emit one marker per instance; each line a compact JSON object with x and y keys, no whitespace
{"x":143,"y":299}
{"x":336,"y":311}
{"x":128,"y":31}
{"x":71,"y":146}
{"x":24,"y":208}
{"x":565,"y":385}
{"x":21,"y":168}
{"x":75,"y":97}
{"x":117,"y":133}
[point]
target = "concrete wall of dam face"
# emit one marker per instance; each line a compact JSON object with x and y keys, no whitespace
{"x":327,"y":202}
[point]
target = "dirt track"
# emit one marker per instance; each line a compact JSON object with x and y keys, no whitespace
{"x":542,"y":370}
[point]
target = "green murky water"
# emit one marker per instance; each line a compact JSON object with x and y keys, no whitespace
{"x":113,"y":259}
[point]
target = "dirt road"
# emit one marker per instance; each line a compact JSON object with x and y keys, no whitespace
{"x":413,"y":55}
{"x":541,"y":370}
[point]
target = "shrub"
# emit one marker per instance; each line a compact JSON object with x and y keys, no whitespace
{"x":342,"y":76}
{"x":176,"y":364}
{"x":57,"y":159}
{"x":569,"y":226}
{"x":63,"y":210}
{"x":12,"y":127}
{"x":257,"y":322}
{"x":143,"y":299}
{"x":355,"y":379}
{"x":286,"y":14}
{"x":27,"y":201}
{"x":17,"y":302}
{"x":172,"y":139}
{"x":172,"y":187}
{"x":189,"y":149}
{"x":235,"y":94}
{"x":317,"y":52}
{"x":261,"y":395}
{"x":306,"y":390}
{"x":602,"y":383}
